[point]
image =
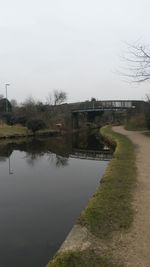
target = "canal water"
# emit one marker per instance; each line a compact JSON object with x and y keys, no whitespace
{"x":44,"y":185}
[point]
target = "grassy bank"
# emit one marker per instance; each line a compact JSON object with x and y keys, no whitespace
{"x":86,"y":258}
{"x":110,"y":209}
{"x":12,"y":130}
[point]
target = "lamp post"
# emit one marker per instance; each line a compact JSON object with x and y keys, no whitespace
{"x":6,"y":85}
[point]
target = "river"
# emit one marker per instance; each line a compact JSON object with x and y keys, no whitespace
{"x":44,"y":185}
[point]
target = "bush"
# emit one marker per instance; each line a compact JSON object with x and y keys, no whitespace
{"x":36,"y":124}
{"x":136,"y":121}
{"x":21,"y":120}
{"x":7,"y":118}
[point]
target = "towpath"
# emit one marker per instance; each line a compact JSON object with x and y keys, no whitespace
{"x":132,"y":247}
{"x":135,"y":245}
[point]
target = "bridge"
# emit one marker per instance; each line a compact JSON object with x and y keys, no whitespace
{"x":91,"y":109}
{"x":107,"y":105}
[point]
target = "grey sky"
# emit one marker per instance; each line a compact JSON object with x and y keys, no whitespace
{"x":70,"y":45}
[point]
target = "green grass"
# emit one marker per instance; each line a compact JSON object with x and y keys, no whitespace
{"x":110,"y":209}
{"x":81,"y":259}
{"x":8,"y":131}
{"x":12,"y":130}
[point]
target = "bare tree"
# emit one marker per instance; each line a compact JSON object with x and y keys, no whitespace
{"x":138,"y":59}
{"x":49,"y":99}
{"x":29,"y":101}
{"x":57,"y":97}
{"x":29,"y":107}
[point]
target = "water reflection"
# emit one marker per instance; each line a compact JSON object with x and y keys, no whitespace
{"x":58,"y":150}
{"x":50,"y":187}
{"x":9,"y":166}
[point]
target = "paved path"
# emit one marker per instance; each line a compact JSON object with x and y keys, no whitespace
{"x":135,"y":245}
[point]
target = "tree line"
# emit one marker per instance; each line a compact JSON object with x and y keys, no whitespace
{"x":36,"y":114}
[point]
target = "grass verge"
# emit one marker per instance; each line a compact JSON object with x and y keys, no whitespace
{"x":15,"y":131}
{"x":12,"y":130}
{"x":110,"y":209}
{"x":85,"y":258}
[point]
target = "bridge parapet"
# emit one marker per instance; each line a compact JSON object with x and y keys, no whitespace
{"x":107,"y":105}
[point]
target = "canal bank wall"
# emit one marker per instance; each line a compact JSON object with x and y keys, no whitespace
{"x":93,"y":234}
{"x":39,"y":134}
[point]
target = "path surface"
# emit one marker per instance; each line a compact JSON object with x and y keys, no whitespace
{"x":135,"y":245}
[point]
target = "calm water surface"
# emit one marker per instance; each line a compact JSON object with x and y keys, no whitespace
{"x":42,"y":193}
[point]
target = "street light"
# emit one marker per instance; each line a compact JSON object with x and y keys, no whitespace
{"x":6,"y":85}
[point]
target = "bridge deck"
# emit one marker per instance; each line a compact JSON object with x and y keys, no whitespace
{"x":98,"y":109}
{"x":97,"y":106}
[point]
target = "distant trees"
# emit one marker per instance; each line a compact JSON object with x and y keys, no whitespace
{"x":1,"y":96}
{"x":24,"y":111}
{"x":57,"y":97}
{"x":14,"y":103}
{"x":37,"y":112}
{"x":29,"y":106}
{"x":50,"y":112}
{"x":93,"y":99}
{"x":56,"y":113}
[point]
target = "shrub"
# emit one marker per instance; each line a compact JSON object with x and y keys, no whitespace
{"x":136,"y":121}
{"x":7,"y":118}
{"x":36,"y":124}
{"x":21,"y":120}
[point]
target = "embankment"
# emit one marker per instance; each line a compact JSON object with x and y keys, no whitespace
{"x":16,"y":132}
{"x":109,"y":213}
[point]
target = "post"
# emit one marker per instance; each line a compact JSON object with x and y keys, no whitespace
{"x":7,"y":84}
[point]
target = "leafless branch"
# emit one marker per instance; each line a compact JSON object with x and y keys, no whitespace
{"x":138,"y":60}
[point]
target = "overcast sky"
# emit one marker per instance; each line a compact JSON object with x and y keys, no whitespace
{"x":73,"y":45}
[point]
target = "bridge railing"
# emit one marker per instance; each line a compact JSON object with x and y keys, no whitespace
{"x":105,"y":104}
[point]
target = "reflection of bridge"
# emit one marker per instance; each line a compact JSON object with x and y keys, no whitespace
{"x":92,"y":154}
